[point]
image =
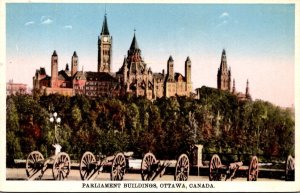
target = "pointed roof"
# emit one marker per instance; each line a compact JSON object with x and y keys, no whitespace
{"x":104,"y":30}
{"x":54,"y":53}
{"x":223,"y":52}
{"x":223,"y":65}
{"x":67,"y":67}
{"x":134,"y":44}
{"x":171,"y":59}
{"x":188,"y":59}
{"x":75,"y":54}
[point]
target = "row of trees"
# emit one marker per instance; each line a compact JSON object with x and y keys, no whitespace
{"x":167,"y":126}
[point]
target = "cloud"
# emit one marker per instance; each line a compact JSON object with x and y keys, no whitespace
{"x":224,"y":19}
{"x":46,"y":20}
{"x":68,"y":27}
{"x":224,"y":14}
{"x":29,"y":23}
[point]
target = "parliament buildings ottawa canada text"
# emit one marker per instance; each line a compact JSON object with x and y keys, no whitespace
{"x":134,"y":77}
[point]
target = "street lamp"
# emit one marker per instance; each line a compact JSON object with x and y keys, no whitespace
{"x":56,"y":120}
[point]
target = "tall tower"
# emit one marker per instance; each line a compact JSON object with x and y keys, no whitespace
{"x":233,"y":87}
{"x":188,"y":76}
{"x":104,"y":48}
{"x":248,"y":96}
{"x":54,"y":70}
{"x":188,"y":70}
{"x":170,"y":69}
{"x":74,"y":64}
{"x":224,"y":75}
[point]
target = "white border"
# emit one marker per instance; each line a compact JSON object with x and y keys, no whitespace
{"x":68,"y":186}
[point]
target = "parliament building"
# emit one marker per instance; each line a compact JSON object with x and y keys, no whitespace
{"x":134,"y":76}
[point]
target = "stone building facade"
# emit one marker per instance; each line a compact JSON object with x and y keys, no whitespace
{"x":224,"y":80}
{"x":13,"y":88}
{"x":134,"y":77}
{"x":138,"y":79}
{"x":64,"y":82}
{"x":224,"y":74}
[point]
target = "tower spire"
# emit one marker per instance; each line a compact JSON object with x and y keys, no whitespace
{"x":233,"y":86}
{"x":223,"y":65}
{"x":247,"y":89}
{"x":224,"y":74}
{"x":105,"y":30}
{"x":134,"y":44}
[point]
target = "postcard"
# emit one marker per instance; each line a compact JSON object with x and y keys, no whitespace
{"x":138,"y":96}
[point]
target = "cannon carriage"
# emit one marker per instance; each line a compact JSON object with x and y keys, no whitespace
{"x":60,"y":162}
{"x":91,"y":166}
{"x":219,"y":171}
{"x":151,"y":168}
{"x":36,"y":165}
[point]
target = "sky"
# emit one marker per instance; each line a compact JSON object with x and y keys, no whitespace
{"x":259,"y":40}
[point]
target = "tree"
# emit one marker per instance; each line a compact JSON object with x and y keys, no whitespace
{"x":12,"y":130}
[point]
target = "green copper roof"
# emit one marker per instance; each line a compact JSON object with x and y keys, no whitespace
{"x":104,"y":27}
{"x":134,"y":44}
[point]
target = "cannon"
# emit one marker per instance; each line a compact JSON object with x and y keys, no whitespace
{"x":218,"y":171}
{"x":90,"y":167}
{"x":36,"y":165}
{"x":60,"y":162}
{"x":151,"y":168}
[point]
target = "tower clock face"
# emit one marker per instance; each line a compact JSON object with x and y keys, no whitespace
{"x":105,"y":39}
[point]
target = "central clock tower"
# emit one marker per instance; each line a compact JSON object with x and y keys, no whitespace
{"x":104,"y":48}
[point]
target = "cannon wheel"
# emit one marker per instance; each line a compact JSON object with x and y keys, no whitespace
{"x":147,"y":163}
{"x":61,"y":166}
{"x":86,"y":167}
{"x":33,"y":163}
{"x":214,"y":165}
{"x":253,"y":169}
{"x":290,"y":169}
{"x":182,"y":168}
{"x":118,"y":167}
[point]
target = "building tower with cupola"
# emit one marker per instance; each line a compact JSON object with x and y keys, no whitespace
{"x":170,"y":69}
{"x":188,"y":77}
{"x":224,"y":74}
{"x":74,"y":64}
{"x":54,"y":70}
{"x":104,"y":48}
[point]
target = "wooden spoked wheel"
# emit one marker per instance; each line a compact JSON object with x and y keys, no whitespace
{"x":182,"y":168}
{"x":290,"y":169}
{"x":61,"y":166}
{"x":118,"y":167}
{"x":253,"y":169}
{"x":147,"y":166}
{"x":87,"y":165}
{"x":214,"y":168}
{"x":34,"y":163}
